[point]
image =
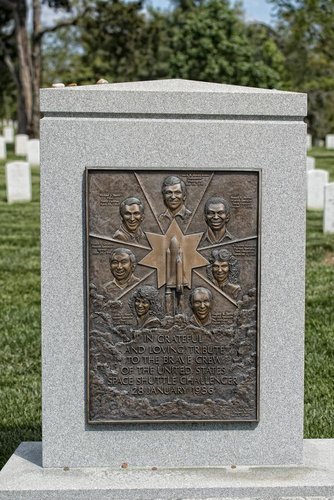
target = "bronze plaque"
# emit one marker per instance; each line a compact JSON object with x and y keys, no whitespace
{"x":172,"y":295}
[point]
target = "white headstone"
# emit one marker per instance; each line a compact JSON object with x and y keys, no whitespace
{"x":7,"y":122}
{"x":310,"y":163}
{"x":21,"y":144}
{"x":18,"y":181}
{"x":316,"y":180}
{"x":3,"y":152}
{"x":33,"y":152}
{"x":308,"y":141}
{"x":8,"y":133}
{"x":330,"y":141}
{"x":329,"y":208}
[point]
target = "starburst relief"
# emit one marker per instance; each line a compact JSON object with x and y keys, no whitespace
{"x":174,"y":255}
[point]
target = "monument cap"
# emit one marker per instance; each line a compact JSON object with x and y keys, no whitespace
{"x":174,"y":97}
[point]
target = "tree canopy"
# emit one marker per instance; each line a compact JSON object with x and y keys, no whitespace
{"x":305,"y":29}
{"x":120,"y":41}
{"x":127,"y":40}
{"x":198,"y":39}
{"x":20,"y":48}
{"x":210,"y":41}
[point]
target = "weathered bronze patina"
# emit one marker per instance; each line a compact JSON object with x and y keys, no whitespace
{"x":173,"y":295}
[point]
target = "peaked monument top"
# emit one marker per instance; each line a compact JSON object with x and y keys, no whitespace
{"x":172,"y":97}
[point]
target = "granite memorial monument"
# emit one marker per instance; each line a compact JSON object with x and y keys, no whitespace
{"x":172,"y":296}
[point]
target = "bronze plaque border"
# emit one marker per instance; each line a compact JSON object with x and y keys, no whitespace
{"x":108,"y":423}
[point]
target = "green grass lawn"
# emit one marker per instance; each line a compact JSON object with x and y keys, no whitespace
{"x":20,"y":380}
{"x":324,"y":159}
{"x":319,"y":358}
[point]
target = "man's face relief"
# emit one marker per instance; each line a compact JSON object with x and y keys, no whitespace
{"x":173,"y":197}
{"x":121,"y":266}
{"x":216,"y":216}
{"x":132,"y":217}
{"x":201,"y":305}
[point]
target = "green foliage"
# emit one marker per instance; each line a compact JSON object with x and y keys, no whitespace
{"x":126,"y":40}
{"x":321,"y":111}
{"x":121,"y":42}
{"x":7,"y":93}
{"x":266,"y":54}
{"x":305,"y":29}
{"x":62,"y":57}
{"x":198,"y":39}
{"x":211,"y":42}
{"x":112,"y":36}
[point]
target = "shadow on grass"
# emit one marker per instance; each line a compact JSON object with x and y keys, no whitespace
{"x":11,"y":437}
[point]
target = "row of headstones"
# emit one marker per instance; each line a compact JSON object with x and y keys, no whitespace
{"x":329,"y":141}
{"x":8,"y":127}
{"x":18,"y":173}
{"x":8,"y":133}
{"x":320,"y":193}
{"x":23,"y":146}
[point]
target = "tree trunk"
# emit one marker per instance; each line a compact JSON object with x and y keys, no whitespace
{"x":27,"y":74}
{"x":36,"y":65}
{"x":21,"y":114}
{"x":22,"y":124}
{"x":24,"y":60}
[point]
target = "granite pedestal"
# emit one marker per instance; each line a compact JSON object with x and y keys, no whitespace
{"x":24,"y":478}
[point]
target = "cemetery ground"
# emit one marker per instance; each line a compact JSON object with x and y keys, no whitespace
{"x":20,"y":379}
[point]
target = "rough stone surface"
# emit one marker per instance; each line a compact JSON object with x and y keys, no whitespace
{"x":3,"y":149}
{"x":33,"y":155}
{"x":316,"y":180}
{"x":173,"y":97}
{"x":329,"y":208}
{"x":18,"y":181}
{"x":23,"y":478}
{"x":275,"y":147}
{"x":21,"y":141}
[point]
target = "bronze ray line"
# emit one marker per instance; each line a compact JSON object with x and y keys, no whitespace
{"x":125,"y":243}
{"x":97,"y":185}
{"x":230,"y":242}
{"x":135,"y":284}
{"x":199,"y":201}
{"x":148,"y":201}
{"x":216,"y":288}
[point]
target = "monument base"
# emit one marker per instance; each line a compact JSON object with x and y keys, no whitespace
{"x":23,"y":478}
